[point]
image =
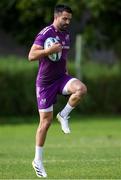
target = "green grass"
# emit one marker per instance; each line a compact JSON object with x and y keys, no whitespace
{"x":91,"y":151}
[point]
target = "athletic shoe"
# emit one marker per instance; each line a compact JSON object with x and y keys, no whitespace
{"x":39,"y":169}
{"x":64,"y":123}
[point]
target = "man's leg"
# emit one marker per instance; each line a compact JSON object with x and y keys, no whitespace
{"x":45,"y":121}
{"x":77,"y":90}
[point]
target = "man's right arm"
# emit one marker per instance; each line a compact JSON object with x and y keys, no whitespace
{"x":37,"y":51}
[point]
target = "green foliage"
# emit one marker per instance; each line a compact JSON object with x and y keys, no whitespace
{"x":17,"y":87}
{"x":28,"y":17}
{"x":102,"y":29}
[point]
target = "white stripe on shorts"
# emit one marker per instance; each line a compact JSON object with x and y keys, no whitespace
{"x":49,"y":109}
{"x":65,"y":90}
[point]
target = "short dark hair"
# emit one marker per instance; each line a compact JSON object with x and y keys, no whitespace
{"x":61,"y":8}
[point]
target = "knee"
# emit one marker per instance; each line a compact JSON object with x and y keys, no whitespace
{"x":44,"y":125}
{"x":84,"y":89}
{"x":81,"y":90}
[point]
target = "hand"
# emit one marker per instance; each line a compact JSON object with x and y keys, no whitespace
{"x":54,"y":48}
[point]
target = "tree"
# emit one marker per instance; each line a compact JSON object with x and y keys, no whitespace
{"x":25,"y":18}
{"x":99,"y":19}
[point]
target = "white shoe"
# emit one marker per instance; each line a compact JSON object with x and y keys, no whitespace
{"x":39,"y":169}
{"x":64,"y":123}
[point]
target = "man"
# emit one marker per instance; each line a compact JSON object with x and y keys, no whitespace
{"x":53,"y":79}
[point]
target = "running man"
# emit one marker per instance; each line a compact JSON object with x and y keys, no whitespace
{"x":53,"y":79}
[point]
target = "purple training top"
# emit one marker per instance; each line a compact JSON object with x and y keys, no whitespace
{"x":50,"y":71}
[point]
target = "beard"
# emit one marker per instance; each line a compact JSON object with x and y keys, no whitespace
{"x":64,"y":27}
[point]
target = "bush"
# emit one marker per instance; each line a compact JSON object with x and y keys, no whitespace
{"x":17,"y":88}
{"x":17,"y":79}
{"x":103,"y":95}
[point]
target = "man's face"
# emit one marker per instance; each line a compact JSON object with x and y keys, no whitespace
{"x":63,"y":20}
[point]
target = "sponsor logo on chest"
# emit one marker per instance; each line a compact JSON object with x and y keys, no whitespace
{"x":64,"y":44}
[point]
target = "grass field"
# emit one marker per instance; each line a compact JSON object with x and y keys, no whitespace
{"x":91,"y":151}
